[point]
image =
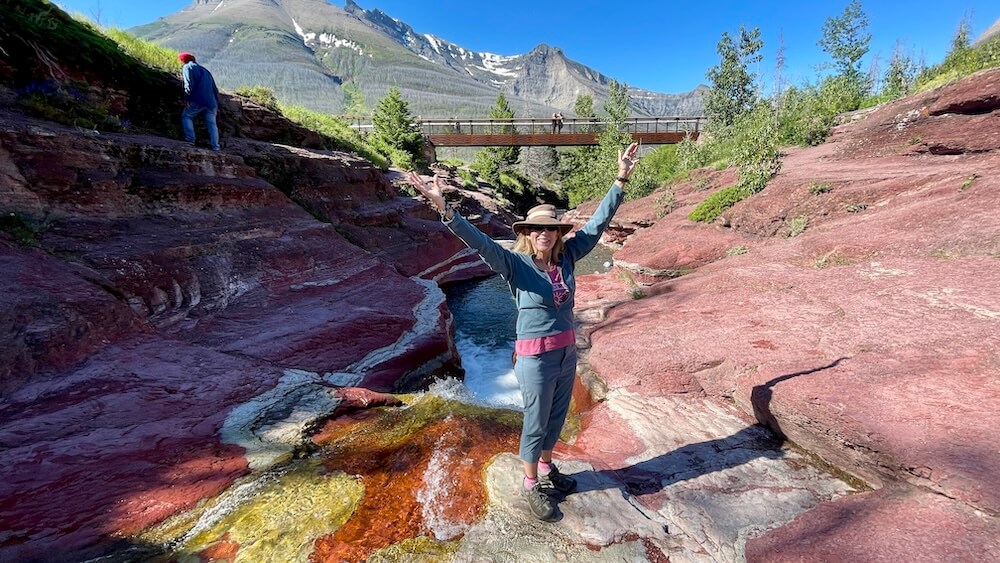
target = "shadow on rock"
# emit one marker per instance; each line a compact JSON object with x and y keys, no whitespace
{"x":687,"y":462}
{"x":762,"y":394}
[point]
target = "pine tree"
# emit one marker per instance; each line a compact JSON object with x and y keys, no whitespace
{"x":491,"y":162}
{"x":733,"y":93}
{"x":899,"y":76}
{"x":395,"y":134}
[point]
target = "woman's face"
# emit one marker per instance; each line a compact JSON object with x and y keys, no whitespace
{"x":543,"y":238}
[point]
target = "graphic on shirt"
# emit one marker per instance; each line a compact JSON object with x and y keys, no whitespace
{"x":560,"y":292}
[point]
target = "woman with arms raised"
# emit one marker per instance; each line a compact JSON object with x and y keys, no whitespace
{"x":540,"y":273}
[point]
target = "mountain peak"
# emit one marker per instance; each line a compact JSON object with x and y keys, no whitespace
{"x":543,"y":48}
{"x":306,"y":51}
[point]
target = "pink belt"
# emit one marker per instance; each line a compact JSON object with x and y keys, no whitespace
{"x":542,"y":344}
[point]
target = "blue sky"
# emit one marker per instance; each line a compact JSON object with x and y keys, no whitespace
{"x":653,"y":44}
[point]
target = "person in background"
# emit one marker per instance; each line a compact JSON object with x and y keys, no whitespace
{"x":201,"y":96}
{"x":540,"y":273}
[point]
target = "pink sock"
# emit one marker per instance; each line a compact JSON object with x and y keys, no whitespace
{"x":544,"y":467}
{"x":530,"y":482}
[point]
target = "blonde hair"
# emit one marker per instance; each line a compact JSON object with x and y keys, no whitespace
{"x":524,"y":245}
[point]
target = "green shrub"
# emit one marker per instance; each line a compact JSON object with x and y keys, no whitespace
{"x":24,"y":228}
{"x":715,"y":204}
{"x":818,"y":188}
{"x":468,"y":179}
{"x":260,"y":95}
{"x":665,"y":202}
{"x":737,"y":250}
{"x":966,"y":183}
{"x":797,"y":225}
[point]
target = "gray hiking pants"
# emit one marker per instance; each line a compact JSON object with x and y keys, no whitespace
{"x":546,"y":382}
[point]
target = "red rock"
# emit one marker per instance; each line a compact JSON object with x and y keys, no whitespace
{"x":51,"y":316}
{"x":123,"y":442}
{"x":868,"y":338}
{"x":896,"y":524}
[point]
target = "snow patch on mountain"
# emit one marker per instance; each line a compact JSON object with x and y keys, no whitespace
{"x":328,"y":40}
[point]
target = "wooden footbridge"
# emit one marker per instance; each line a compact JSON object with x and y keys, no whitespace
{"x":526,"y":132}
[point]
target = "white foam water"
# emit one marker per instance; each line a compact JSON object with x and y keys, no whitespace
{"x":436,"y":491}
{"x":489,"y":375}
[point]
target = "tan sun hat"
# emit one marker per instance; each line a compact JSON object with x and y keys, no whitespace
{"x":541,"y":216}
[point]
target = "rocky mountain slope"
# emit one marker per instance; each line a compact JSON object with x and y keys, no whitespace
{"x":307,"y":50}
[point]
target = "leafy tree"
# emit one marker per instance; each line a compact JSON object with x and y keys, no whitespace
{"x":395,"y":134}
{"x":732,"y":92}
{"x":846,"y":39}
{"x":588,"y":173}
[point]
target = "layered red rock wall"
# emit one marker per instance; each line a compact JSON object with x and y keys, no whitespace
{"x":153,"y":289}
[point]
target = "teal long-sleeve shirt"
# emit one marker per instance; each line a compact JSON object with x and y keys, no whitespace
{"x":537,"y":314}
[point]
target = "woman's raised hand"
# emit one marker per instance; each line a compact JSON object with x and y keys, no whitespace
{"x":432,"y":193}
{"x":627,"y":160}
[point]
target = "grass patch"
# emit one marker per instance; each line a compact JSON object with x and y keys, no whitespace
{"x":797,"y":225}
{"x":665,"y":202}
{"x":737,"y":250}
{"x":715,"y":204}
{"x":110,"y":88}
{"x":960,"y":63}
{"x":967,"y":183}
{"x":23,"y":228}
{"x":817,"y":188}
{"x":153,"y":55}
{"x":260,"y":95}
{"x":337,"y":133}
{"x":856,"y":207}
{"x":830,"y":259}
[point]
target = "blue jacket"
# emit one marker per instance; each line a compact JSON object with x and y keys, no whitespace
{"x":537,"y":314}
{"x":199,"y":86}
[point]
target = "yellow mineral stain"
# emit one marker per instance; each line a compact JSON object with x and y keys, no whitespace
{"x":416,"y":550}
{"x":283,"y":519}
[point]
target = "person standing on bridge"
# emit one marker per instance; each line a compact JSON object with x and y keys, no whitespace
{"x":540,"y":273}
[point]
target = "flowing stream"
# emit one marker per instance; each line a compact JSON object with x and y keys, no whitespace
{"x":484,"y":332}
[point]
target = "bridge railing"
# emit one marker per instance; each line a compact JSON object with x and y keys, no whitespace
{"x":452,"y":126}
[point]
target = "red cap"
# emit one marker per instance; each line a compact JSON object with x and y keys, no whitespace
{"x":185,"y":57}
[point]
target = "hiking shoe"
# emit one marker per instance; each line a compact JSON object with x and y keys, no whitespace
{"x":557,"y":481}
{"x":538,"y":502}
